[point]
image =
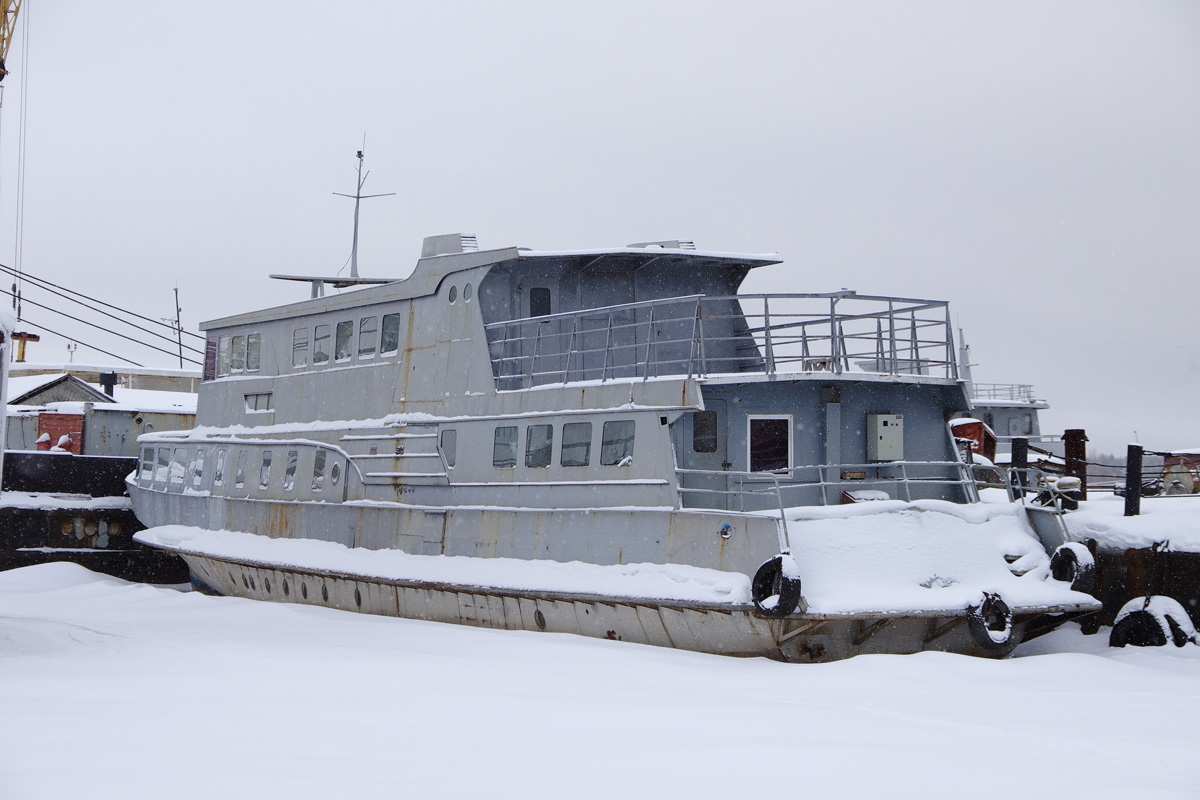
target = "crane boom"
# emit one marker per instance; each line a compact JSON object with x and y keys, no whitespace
{"x":8,"y":24}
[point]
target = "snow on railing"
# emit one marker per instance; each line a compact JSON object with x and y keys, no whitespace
{"x":824,"y":484}
{"x":701,"y":335}
{"x":1002,"y":391}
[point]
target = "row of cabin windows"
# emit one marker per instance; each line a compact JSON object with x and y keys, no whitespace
{"x":237,"y":354}
{"x":616,"y":445}
{"x":173,"y":467}
{"x":339,"y":342}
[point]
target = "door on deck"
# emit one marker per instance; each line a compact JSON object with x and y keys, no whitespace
{"x":543,"y":347}
{"x":702,"y":442}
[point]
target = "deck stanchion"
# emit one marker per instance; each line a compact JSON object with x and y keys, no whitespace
{"x":1133,"y":480}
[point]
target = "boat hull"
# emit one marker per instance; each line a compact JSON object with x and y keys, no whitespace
{"x":734,"y":630}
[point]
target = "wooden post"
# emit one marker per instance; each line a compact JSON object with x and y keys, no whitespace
{"x":1020,"y":463}
{"x":1133,"y":480}
{"x":1076,"y":453}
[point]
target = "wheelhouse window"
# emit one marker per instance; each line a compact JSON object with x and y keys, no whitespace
{"x":146,"y":470}
{"x":237,"y":358}
{"x":770,"y":441}
{"x":163,"y":467}
{"x":504,"y":447}
{"x":321,"y":336}
{"x":260,"y":401}
{"x":576,"y":444}
{"x":539,"y":445}
{"x":264,"y":471}
{"x":449,"y":443}
{"x":222,"y":356}
{"x":253,"y":352}
{"x":704,"y":432}
{"x":616,"y":446}
{"x":390,"y":340}
{"x":300,"y":347}
{"x":368,"y":332}
{"x":342,"y":342}
{"x":178,"y":468}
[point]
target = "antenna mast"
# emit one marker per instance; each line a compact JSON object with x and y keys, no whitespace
{"x":358,"y":198}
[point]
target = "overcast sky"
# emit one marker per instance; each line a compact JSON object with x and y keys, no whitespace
{"x":1036,"y":164}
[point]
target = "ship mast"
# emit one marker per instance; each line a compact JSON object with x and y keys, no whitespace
{"x":358,"y":198}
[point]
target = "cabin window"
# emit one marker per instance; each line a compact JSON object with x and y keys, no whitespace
{"x":616,"y":446}
{"x":163,"y":467}
{"x":453,"y":294}
{"x":368,"y":332}
{"x":260,"y":401}
{"x":222,"y":356}
{"x":289,"y":472}
{"x":576,"y":444}
{"x":239,"y":476}
{"x":704,"y":432}
{"x":264,"y":471}
{"x":390,"y":341}
{"x":504,"y":448}
{"x":449,"y":442}
{"x":335,"y":473}
{"x":318,"y":483}
{"x":178,"y":468}
{"x":219,"y":468}
{"x":198,"y":468}
{"x":539,"y":445}
{"x":467,"y":293}
{"x":321,"y":344}
{"x":539,"y":301}
{"x":341,"y":345}
{"x":300,"y":347}
{"x":770,"y":443}
{"x":237,"y":357}
{"x":253,"y":352}
{"x":1020,"y":425}
{"x":146,"y":473}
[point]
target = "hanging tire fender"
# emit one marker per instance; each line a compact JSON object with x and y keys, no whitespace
{"x":991,"y":623}
{"x":1152,"y":622}
{"x":776,"y":587}
{"x":1073,"y":563}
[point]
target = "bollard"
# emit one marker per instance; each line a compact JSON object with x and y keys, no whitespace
{"x":1133,"y":480}
{"x":1020,"y":463}
{"x":1076,"y":454}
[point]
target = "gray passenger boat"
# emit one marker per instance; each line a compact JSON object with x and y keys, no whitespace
{"x":612,"y":443}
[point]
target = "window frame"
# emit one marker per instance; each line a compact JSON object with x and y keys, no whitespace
{"x":791,"y":431}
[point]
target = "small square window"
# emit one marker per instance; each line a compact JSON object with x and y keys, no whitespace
{"x":504,"y":448}
{"x":539,"y":445}
{"x":576,"y":444}
{"x":616,"y":447}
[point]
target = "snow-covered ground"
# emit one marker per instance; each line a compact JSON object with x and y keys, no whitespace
{"x":111,"y":689}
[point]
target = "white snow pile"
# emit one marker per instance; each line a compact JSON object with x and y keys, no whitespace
{"x":53,"y":500}
{"x":1175,"y":519}
{"x":648,"y":581}
{"x":888,"y":557}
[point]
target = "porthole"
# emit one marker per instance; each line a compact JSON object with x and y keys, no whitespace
{"x":304,"y":589}
{"x":453,"y":294}
{"x":539,"y":618}
{"x":232,"y":579}
{"x":325,"y":593}
{"x":286,"y":590}
{"x":267,"y":584}
{"x":335,"y":474}
{"x":245,"y":581}
{"x":357,"y":597}
{"x":467,"y":293}
{"x":253,"y":585}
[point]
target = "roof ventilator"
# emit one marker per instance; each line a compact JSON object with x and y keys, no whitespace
{"x":449,"y":244}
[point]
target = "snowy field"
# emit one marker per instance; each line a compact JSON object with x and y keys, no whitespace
{"x":111,"y":689}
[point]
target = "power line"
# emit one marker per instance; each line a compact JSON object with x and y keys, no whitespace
{"x":105,"y":313}
{"x":85,"y":344}
{"x":37,"y":281}
{"x":98,"y":327}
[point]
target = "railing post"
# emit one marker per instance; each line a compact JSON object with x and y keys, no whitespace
{"x":835,"y":355}
{"x":607,"y":348}
{"x":892,"y":333}
{"x":767,"y":329}
{"x":950,"y":359}
{"x":1133,"y":480}
{"x":649,"y":345}
{"x":700,"y":323}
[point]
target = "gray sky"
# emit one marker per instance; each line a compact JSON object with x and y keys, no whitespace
{"x":1036,"y":164}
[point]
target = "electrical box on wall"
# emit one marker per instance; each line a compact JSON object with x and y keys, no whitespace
{"x":885,"y":437}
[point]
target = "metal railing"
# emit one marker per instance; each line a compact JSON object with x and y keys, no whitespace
{"x":824,"y":484}
{"x":701,"y":335}
{"x":1021,"y":392}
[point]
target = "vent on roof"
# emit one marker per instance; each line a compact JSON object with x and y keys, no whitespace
{"x":449,"y":244}
{"x":670,"y":244}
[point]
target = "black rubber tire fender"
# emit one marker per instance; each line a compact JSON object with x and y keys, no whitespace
{"x":991,"y":623}
{"x":775,"y":592}
{"x":1073,"y":562}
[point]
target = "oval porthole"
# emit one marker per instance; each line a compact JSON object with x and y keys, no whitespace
{"x":267,"y":584}
{"x":357,"y":597}
{"x":335,"y":474}
{"x":467,"y":293}
{"x":304,"y":589}
{"x":453,"y":293}
{"x":286,"y":590}
{"x":325,"y":593}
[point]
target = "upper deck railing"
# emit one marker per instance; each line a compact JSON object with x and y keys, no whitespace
{"x":1021,"y":392}
{"x":747,"y":334}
